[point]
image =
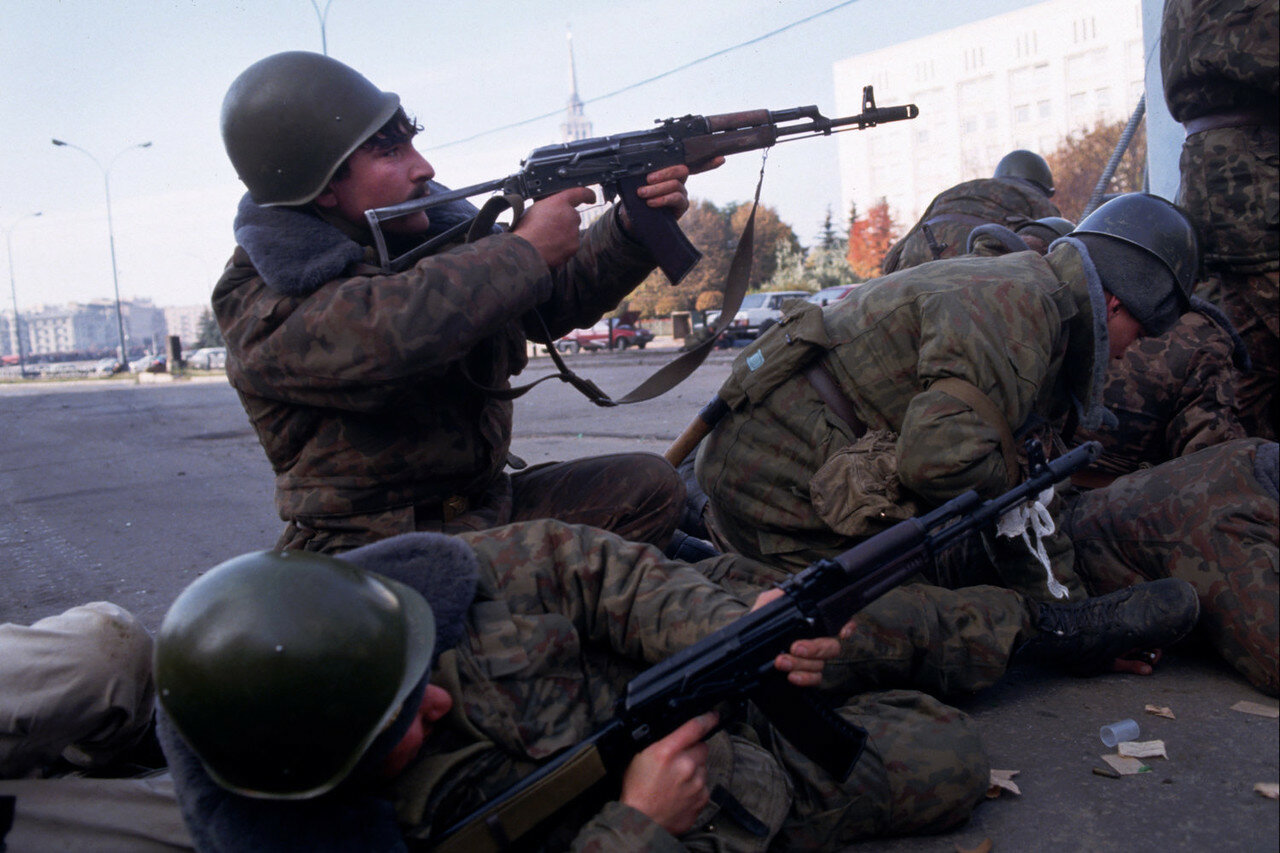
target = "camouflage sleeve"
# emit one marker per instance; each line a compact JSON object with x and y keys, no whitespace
{"x":622,"y":828}
{"x":622,"y":594}
{"x":370,"y":336}
{"x":1219,"y":55}
{"x":1206,"y":412}
{"x":608,"y":266}
{"x":994,"y":338}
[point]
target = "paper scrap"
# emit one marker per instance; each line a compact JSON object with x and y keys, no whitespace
{"x":1257,"y":708}
{"x":1158,"y":711}
{"x":1002,"y":780}
{"x":985,"y":847}
{"x":1126,"y":766}
{"x":1270,"y":790}
{"x":1142,"y":749}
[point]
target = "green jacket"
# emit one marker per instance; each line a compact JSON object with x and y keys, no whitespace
{"x":364,"y":388}
{"x":955,"y":212}
{"x":788,"y":480}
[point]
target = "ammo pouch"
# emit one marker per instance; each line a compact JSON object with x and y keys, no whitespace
{"x":857,"y":491}
{"x":779,"y":353}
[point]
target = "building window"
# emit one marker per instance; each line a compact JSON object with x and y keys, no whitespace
{"x":1044,"y":109}
{"x":1022,"y":114}
{"x":1102,"y":98}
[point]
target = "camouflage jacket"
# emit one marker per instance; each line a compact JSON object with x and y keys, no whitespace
{"x":564,"y":616}
{"x":367,"y":390}
{"x":1026,"y":330}
{"x":1172,"y":394}
{"x":955,"y":212}
{"x":1219,"y":56}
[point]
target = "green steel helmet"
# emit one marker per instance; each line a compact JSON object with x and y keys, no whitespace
{"x":290,"y":120}
{"x":1027,"y":165}
{"x":280,"y":669}
{"x":1157,"y":226}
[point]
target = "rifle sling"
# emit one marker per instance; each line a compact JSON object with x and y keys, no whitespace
{"x":499,"y":827}
{"x":678,"y":369}
{"x":983,"y":407}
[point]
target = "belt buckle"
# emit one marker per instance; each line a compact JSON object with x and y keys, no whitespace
{"x":453,"y":506}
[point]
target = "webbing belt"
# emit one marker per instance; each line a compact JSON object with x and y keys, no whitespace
{"x":970,"y":394}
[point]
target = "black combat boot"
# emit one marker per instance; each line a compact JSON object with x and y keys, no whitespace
{"x":1086,"y":636}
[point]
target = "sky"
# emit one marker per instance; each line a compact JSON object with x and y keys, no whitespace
{"x":107,"y":77}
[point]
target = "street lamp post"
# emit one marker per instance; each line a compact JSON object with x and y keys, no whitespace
{"x":111,"y":238}
{"x":13,"y":290}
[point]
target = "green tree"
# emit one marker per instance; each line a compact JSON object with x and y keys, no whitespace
{"x":208,"y":334}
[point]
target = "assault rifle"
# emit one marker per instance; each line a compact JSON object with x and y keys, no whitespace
{"x":736,"y":663}
{"x":620,"y":163}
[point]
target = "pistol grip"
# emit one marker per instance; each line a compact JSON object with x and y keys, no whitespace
{"x":657,"y":229}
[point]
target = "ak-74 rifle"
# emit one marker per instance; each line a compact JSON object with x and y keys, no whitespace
{"x":736,"y":663}
{"x":620,"y":163}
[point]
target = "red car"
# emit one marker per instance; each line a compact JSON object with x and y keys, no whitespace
{"x":598,"y":337}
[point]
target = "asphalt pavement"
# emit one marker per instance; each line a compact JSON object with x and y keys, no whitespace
{"x":127,"y":492}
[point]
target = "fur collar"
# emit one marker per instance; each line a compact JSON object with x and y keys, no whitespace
{"x":1086,"y":388}
{"x":295,"y":251}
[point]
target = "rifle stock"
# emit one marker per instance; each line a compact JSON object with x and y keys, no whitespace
{"x":736,"y":663}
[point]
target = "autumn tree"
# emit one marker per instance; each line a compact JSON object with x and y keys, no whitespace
{"x":870,"y":237}
{"x":1081,"y":157}
{"x":715,"y":233}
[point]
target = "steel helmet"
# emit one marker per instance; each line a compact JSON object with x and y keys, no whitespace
{"x":1157,"y":226}
{"x":290,"y":120}
{"x":1027,"y":165}
{"x":279,"y":669}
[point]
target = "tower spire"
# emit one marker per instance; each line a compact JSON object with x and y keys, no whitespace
{"x":576,"y":125}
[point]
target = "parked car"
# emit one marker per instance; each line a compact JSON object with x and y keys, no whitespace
{"x":208,"y":358}
{"x":597,"y":337}
{"x":757,"y":308}
{"x":830,"y":294}
{"x":148,"y":364}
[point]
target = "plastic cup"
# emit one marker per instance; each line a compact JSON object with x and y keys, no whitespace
{"x":1114,"y":733}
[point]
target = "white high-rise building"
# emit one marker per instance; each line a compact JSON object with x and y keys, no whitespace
{"x":1024,"y":79}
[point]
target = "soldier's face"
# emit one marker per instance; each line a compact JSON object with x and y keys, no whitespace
{"x":378,"y":177}
{"x":1122,"y":327}
{"x":436,"y":702}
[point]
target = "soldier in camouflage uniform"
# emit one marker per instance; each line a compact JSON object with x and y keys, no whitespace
{"x":382,"y":400}
{"x":1209,"y":518}
{"x":1018,"y":193}
{"x":927,"y":375}
{"x":562,"y":617}
{"x":1221,"y":65}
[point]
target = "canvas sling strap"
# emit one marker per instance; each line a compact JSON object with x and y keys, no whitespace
{"x":971,"y":395}
{"x":670,"y":374}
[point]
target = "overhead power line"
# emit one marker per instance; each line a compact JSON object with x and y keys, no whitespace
{"x":648,"y":80}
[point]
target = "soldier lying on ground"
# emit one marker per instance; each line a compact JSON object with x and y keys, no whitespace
{"x":380,"y":398}
{"x":447,"y":668}
{"x":1017,"y":193}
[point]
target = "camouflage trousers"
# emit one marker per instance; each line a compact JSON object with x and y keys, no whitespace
{"x":638,"y":496}
{"x":1209,"y":518}
{"x":1231,"y":187}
